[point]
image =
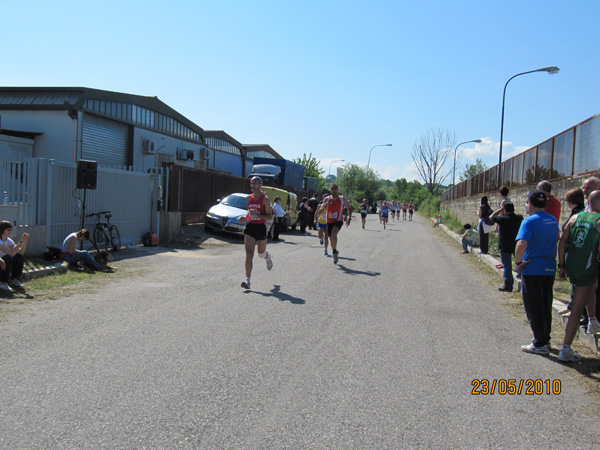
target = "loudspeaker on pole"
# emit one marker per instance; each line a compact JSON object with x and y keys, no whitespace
{"x":87,"y":173}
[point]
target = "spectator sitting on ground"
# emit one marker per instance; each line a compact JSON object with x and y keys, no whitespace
{"x":469,"y":237}
{"x":12,"y":258}
{"x":73,"y":256}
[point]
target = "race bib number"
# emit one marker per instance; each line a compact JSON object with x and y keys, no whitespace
{"x":333,"y":215}
{"x":254,"y":214}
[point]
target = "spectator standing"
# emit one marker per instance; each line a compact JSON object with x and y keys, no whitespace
{"x":576,"y":203}
{"x":279,"y":214}
{"x":535,"y":259}
{"x":12,"y":258}
{"x":469,"y":237}
{"x":508,"y":223}
{"x":552,"y":203}
{"x":304,"y":215}
{"x":484,"y":226}
{"x":582,"y":233}
{"x":589,"y":186}
{"x":313,"y":203}
{"x":503,"y":194}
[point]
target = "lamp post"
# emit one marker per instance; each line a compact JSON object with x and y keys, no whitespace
{"x":551,"y":70}
{"x":456,"y":148}
{"x":369,"y":162}
{"x":335,"y":160}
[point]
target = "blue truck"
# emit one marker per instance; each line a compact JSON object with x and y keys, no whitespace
{"x":278,"y":172}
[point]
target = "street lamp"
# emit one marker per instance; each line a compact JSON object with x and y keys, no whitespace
{"x":456,"y":148}
{"x":335,"y":160}
{"x":551,"y":70}
{"x":369,"y":162}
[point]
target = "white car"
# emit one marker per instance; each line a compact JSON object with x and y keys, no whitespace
{"x":224,"y":215}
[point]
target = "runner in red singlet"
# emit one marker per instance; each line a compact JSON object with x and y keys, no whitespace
{"x":255,"y":234}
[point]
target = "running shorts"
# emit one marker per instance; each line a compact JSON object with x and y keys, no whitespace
{"x":256,"y":230}
{"x":332,"y":225}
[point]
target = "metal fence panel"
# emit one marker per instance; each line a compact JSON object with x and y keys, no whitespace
{"x":128,"y":195}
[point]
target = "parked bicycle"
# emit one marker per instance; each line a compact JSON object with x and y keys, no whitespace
{"x":105,"y":233}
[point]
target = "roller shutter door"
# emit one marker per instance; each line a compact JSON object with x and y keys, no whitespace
{"x":104,"y":141}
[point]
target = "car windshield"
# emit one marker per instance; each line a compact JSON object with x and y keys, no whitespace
{"x":236,"y":201}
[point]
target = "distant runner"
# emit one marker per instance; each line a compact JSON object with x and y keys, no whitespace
{"x":322,"y":224}
{"x":255,"y":234}
{"x":411,"y":208}
{"x":364,"y":210}
{"x":384,"y":214}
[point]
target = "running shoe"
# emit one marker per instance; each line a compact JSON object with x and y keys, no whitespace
{"x":544,"y":350}
{"x":269,"y":262}
{"x":17,"y":284}
{"x":593,"y":327}
{"x":246,"y":284}
{"x":5,"y":287}
{"x":325,"y":253}
{"x":321,"y":241}
{"x":335,"y":256}
{"x":568,"y":355}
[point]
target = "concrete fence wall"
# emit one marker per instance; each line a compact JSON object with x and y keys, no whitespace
{"x":466,"y":208}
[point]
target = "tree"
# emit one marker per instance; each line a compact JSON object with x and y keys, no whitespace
{"x":311,"y":166}
{"x":356,"y":184}
{"x":473,"y":169}
{"x":430,"y":154}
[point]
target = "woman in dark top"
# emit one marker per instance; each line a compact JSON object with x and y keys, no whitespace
{"x":484,"y":216}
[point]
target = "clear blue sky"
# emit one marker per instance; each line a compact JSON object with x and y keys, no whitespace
{"x":331,"y":78}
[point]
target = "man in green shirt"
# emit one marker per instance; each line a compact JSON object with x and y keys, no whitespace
{"x":582,"y":233}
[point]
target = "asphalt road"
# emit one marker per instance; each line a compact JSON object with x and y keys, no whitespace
{"x":378,"y":352}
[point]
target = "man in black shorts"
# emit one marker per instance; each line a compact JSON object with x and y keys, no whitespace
{"x":255,"y":234}
{"x":335,"y":205}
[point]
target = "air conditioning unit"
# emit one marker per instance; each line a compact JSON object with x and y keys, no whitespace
{"x":186,"y":155}
{"x":204,"y":153}
{"x":149,"y":146}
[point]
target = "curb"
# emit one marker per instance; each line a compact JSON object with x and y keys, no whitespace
{"x":59,"y":267}
{"x":557,"y":305}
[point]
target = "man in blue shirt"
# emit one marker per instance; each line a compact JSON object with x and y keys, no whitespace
{"x":535,"y":259}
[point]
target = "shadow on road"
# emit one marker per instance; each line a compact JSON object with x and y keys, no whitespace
{"x":357,"y":272}
{"x":281,"y":296}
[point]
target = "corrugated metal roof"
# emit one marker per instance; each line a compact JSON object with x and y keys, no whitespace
{"x":54,"y":98}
